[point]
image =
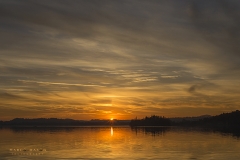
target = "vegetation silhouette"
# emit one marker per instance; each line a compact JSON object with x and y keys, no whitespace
{"x":224,"y":123}
{"x":36,"y":122}
{"x":151,"y":121}
{"x":225,"y":120}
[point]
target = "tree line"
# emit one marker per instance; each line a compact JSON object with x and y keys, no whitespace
{"x":224,"y":120}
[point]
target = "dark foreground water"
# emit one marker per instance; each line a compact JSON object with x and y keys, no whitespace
{"x":116,"y":143}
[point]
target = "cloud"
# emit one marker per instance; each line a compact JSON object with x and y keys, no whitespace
{"x":159,"y":54}
{"x":196,"y":87}
{"x":60,"y":84}
{"x":8,"y":96}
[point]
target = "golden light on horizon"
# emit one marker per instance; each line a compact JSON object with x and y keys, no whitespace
{"x":111,"y":119}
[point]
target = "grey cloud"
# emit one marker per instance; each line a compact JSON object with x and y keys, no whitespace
{"x":219,"y":24}
{"x":202,"y":87}
{"x":8,"y":96}
{"x":101,"y":47}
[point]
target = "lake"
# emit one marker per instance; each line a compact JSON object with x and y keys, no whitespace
{"x":117,"y":142}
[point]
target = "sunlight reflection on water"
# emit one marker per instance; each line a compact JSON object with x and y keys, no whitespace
{"x":120,"y":143}
{"x":111,"y":131}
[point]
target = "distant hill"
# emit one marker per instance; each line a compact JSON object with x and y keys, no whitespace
{"x":60,"y":122}
{"x":224,"y":120}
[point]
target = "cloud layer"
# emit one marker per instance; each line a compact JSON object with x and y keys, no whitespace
{"x":121,"y":59}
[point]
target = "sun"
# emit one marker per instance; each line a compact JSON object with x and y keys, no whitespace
{"x":111,"y":119}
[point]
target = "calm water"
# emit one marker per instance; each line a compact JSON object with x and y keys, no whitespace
{"x":116,"y":143}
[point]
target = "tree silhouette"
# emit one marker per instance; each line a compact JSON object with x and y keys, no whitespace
{"x":151,"y":121}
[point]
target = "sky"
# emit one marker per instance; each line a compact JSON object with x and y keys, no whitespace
{"x":101,"y":59}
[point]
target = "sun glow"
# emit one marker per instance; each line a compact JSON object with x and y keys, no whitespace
{"x":111,"y":119}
